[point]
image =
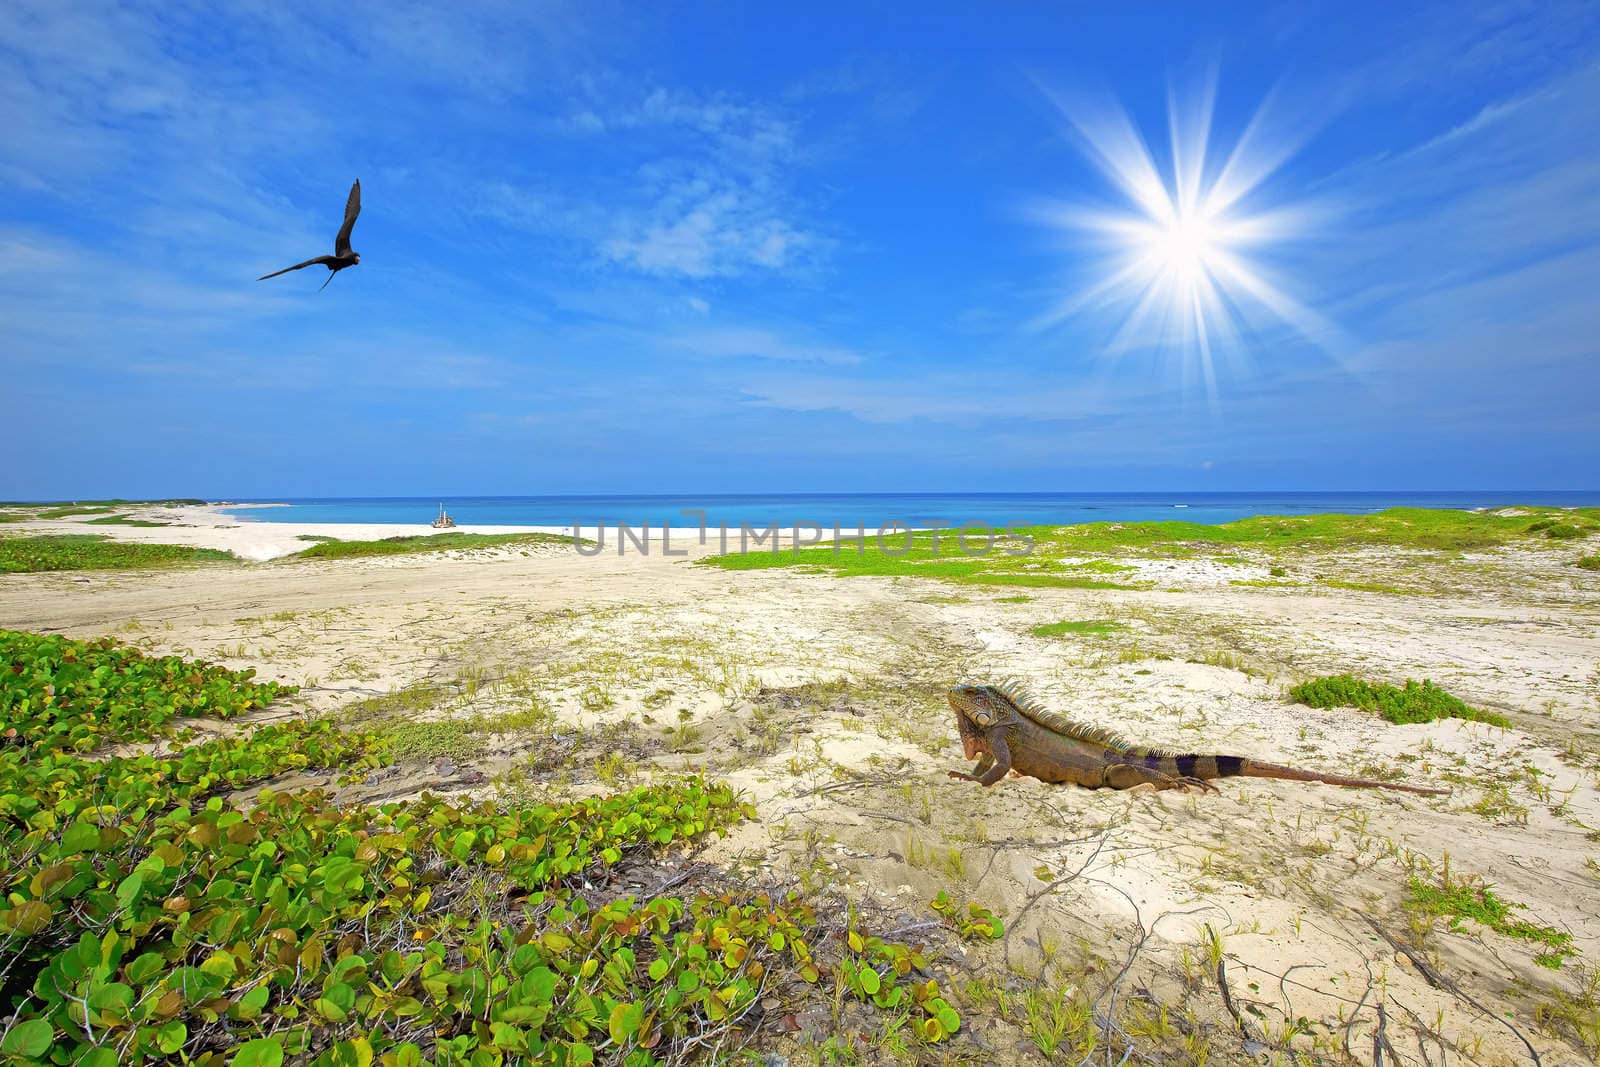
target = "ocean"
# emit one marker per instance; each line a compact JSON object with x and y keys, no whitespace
{"x":876,"y":510}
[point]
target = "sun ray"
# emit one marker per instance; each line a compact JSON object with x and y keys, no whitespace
{"x":1175,"y":259}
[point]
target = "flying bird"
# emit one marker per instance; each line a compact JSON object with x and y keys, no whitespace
{"x":343,"y":256}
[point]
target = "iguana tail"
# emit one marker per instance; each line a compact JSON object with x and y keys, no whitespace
{"x":1253,"y":769}
{"x":1208,"y":767}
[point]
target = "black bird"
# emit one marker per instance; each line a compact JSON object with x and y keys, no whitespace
{"x":343,"y":256}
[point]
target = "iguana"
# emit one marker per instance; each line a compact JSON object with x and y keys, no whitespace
{"x":1004,"y":730}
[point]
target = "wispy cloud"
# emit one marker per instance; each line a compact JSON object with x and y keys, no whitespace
{"x":758,"y":343}
{"x":681,"y":185}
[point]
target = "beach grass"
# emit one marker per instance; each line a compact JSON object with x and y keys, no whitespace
{"x":414,"y":543}
{"x":1088,"y":627}
{"x":1050,"y":555}
{"x":1589,"y":563}
{"x":1415,"y":702}
{"x":96,"y":552}
{"x":123,"y":520}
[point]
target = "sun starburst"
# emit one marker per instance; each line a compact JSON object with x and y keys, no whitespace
{"x":1176,"y":257}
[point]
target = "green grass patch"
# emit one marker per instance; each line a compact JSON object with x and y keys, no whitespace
{"x":1374,"y":587}
{"x":123,"y":520}
{"x":1099,"y":566}
{"x":1589,"y":563}
{"x":320,"y":539}
{"x":1416,"y":702}
{"x":1096,"y":627}
{"x":96,"y":552}
{"x":1043,"y":581}
{"x":1059,"y":548}
{"x":411,"y":544}
{"x":1477,"y":901}
{"x":146,"y":917}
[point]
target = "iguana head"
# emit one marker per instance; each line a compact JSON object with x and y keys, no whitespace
{"x":979,"y":708}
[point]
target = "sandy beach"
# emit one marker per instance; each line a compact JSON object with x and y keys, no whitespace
{"x":822,"y":698}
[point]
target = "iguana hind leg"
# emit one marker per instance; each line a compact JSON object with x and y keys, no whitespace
{"x":1127,"y":775}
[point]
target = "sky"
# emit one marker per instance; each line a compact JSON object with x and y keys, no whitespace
{"x":725,"y":247}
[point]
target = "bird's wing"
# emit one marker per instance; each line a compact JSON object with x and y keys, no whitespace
{"x":324,"y":260}
{"x":352,"y":208}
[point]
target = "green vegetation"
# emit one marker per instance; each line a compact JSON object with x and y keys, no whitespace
{"x":1590,"y":563}
{"x":1417,"y":702}
{"x":1373,"y":587}
{"x":1560,"y":531}
{"x":1046,"y":556}
{"x":101,"y":505}
{"x":976,"y":923}
{"x":1567,"y":532}
{"x":405,"y":545}
{"x":123,"y":520}
{"x":60,"y":694}
{"x":1097,"y":627}
{"x":925,"y":559}
{"x":151,"y":916}
{"x":74,"y":552}
{"x":1476,"y":901}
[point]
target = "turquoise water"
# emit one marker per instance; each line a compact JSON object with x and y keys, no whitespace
{"x":875,"y":510}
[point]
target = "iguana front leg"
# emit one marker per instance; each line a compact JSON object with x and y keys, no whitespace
{"x":1126,"y":776}
{"x":985,"y":761}
{"x":998,"y":758}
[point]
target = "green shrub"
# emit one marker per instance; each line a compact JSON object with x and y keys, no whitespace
{"x":1565,"y":531}
{"x":1416,"y":702}
{"x":1590,"y":563}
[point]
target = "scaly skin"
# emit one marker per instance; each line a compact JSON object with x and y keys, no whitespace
{"x":1005,"y":733}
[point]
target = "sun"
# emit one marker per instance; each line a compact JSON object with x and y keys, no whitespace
{"x":1182,"y":246}
{"x":1179,"y":259}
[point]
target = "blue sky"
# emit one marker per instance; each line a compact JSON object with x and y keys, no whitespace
{"x":725,"y":247}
